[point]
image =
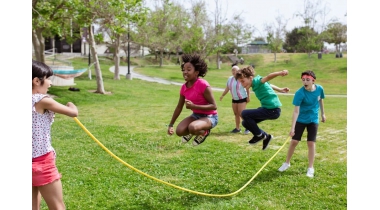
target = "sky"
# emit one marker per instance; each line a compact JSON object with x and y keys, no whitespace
{"x":260,"y":12}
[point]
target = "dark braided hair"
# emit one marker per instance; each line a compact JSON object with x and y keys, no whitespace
{"x":199,"y":64}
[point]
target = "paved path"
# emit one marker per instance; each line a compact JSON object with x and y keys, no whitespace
{"x":123,"y":70}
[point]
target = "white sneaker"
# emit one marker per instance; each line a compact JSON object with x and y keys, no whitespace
{"x":284,"y":167}
{"x":247,"y":132}
{"x":310,"y":172}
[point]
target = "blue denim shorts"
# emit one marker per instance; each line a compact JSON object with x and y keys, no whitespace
{"x":212,"y":117}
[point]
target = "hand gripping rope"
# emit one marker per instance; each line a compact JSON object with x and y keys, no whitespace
{"x":172,"y":185}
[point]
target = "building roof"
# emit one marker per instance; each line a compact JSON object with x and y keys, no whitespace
{"x":258,"y":43}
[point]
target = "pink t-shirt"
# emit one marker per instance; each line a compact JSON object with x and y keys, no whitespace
{"x":195,"y":95}
{"x":41,"y":124}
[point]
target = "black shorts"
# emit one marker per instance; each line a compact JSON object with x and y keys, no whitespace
{"x":311,"y":128}
{"x":239,"y":101}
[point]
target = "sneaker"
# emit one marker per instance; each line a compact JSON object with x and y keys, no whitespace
{"x":284,"y":167}
{"x":256,"y":139}
{"x":247,"y":132}
{"x":235,"y":130}
{"x":200,"y":138}
{"x":310,"y":172}
{"x":187,"y":138}
{"x":266,"y":141}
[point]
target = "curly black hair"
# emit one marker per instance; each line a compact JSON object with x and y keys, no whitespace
{"x":199,"y":64}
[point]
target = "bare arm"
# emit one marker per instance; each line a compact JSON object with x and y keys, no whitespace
{"x":294,"y":120}
{"x":224,"y":93}
{"x":50,"y":104}
{"x":321,"y":106}
{"x":176,"y":113}
{"x":281,"y":90}
{"x":273,"y":75}
{"x":248,"y":94}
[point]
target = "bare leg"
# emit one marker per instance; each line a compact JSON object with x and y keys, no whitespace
{"x":240,"y":108}
{"x":199,"y":127}
{"x":235,"y":108}
{"x":183,"y":126}
{"x":36,"y":198}
{"x":292,"y":147}
{"x":53,"y":195}
{"x":311,"y":152}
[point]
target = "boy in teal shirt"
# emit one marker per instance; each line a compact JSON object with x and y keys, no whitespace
{"x":308,"y":100}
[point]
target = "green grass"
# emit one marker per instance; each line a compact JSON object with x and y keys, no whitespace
{"x":331,"y":72}
{"x":131,"y":123}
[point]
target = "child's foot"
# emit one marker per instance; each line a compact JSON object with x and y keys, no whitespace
{"x":201,"y":138}
{"x":284,"y":167}
{"x":256,"y":139}
{"x":310,"y":172}
{"x":247,"y":132}
{"x":186,"y":138}
{"x":235,"y":130}
{"x":266,"y":141}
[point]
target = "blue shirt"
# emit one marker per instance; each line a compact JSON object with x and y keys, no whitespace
{"x":309,"y":104}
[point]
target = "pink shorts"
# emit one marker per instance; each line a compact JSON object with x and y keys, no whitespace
{"x":44,"y":170}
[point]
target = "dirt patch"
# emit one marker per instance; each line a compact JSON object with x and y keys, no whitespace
{"x":94,"y":91}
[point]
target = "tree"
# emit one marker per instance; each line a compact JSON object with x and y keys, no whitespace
{"x":292,"y":39}
{"x":49,"y":18}
{"x":309,"y":40}
{"x":303,"y":39}
{"x":276,"y":33}
{"x":164,"y":28}
{"x":241,"y":32}
{"x":310,"y":13}
{"x":85,"y":14}
{"x":221,"y":33}
{"x":116,"y":23}
{"x":198,"y":36}
{"x":336,"y":33}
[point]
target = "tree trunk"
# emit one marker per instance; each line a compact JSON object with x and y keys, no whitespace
{"x":38,"y":45}
{"x":177,"y":56}
{"x":161,"y":57}
{"x":52,"y":41}
{"x":218,"y":60}
{"x":275,"y":57}
{"x":98,"y":72}
{"x":116,"y":59}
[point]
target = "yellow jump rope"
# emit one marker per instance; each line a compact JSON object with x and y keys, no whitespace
{"x":172,"y":185}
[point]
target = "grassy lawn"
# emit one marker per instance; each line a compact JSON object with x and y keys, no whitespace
{"x":131,"y":123}
{"x":331,"y":72}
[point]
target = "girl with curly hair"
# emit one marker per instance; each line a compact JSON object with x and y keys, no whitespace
{"x":196,"y":94}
